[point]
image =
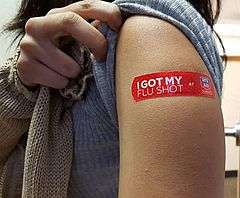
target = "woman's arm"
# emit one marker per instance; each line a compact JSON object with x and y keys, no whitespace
{"x":41,"y":62}
{"x":169,"y":146}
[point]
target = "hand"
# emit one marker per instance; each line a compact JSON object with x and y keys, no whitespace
{"x":42,"y":62}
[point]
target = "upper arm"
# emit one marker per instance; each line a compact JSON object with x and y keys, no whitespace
{"x":169,"y":146}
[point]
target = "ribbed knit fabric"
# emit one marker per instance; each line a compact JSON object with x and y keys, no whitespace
{"x":96,"y":147}
{"x":40,"y":166}
{"x":96,"y":151}
{"x":81,"y":158}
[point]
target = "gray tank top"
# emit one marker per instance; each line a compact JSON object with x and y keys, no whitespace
{"x":96,"y":144}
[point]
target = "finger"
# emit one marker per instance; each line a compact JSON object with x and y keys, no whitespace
{"x":37,"y":73}
{"x":51,"y":56}
{"x":100,"y":10}
{"x":68,"y":23}
{"x":96,"y":24}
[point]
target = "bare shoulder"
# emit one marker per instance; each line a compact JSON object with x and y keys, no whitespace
{"x":158,"y":40}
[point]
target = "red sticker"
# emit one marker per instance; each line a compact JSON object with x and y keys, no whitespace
{"x":169,"y":84}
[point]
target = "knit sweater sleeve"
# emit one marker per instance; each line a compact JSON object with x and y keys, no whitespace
{"x":16,"y":107}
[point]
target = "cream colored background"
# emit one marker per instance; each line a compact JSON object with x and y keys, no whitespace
{"x":7,"y":9}
{"x":229,"y":29}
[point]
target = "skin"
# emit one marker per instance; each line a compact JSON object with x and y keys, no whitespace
{"x":165,"y":152}
{"x":173,"y":146}
{"x":42,"y":63}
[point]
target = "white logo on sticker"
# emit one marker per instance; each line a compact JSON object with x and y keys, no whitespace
{"x":205,"y":82}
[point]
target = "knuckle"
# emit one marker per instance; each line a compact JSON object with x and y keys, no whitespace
{"x":61,"y":83}
{"x":69,"y":18}
{"x":70,"y":70}
{"x":25,"y":44}
{"x":86,"y":4}
{"x":115,"y":9}
{"x":115,"y":14}
{"x":53,"y":11}
{"x":30,"y":25}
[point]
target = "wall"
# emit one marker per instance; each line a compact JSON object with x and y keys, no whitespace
{"x":7,"y":9}
{"x":228,"y":28}
{"x":231,"y":110}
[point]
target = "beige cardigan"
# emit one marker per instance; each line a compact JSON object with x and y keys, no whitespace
{"x":40,"y":166}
